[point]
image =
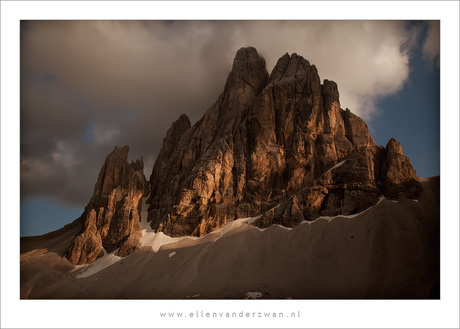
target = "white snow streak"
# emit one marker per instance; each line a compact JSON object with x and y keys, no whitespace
{"x":253,"y":219}
{"x":156,"y":240}
{"x":338,"y":165}
{"x":286,"y":228}
{"x":233,"y":225}
{"x":100,"y":264}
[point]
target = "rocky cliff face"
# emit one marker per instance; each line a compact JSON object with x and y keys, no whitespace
{"x":111,"y":218}
{"x":278,"y":145}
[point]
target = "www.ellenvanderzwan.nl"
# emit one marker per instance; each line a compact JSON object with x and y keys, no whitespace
{"x":241,"y":314}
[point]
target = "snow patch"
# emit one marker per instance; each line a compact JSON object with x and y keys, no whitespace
{"x":171,"y":254}
{"x":253,"y":295}
{"x":286,"y":228}
{"x":157,"y":240}
{"x":77,"y":267}
{"x":233,"y":225}
{"x":100,"y":264}
{"x":253,"y":219}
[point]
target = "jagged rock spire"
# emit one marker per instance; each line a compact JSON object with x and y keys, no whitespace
{"x":111,"y":218}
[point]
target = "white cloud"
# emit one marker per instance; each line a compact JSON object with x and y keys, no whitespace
{"x":366,"y":58}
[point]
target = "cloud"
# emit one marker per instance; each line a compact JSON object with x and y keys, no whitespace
{"x":100,"y":134}
{"x":87,"y":86}
{"x":169,"y":64}
{"x":63,"y":157}
{"x":431,"y":46}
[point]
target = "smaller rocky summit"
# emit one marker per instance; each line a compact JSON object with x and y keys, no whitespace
{"x":398,"y":174}
{"x":111,"y":218}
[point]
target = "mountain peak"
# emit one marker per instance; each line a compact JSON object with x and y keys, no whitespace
{"x":249,"y":73}
{"x":247,"y":54}
{"x":269,"y":140}
{"x":394,"y":146}
{"x":291,"y":66}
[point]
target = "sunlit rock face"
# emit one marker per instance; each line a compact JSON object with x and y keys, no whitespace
{"x":111,"y":218}
{"x":278,"y":145}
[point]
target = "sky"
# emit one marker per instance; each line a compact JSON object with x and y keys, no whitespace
{"x":88,"y":86}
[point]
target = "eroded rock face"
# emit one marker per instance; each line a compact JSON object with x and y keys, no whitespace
{"x":347,"y":188}
{"x":350,"y":187}
{"x":269,"y":145}
{"x":111,"y":218}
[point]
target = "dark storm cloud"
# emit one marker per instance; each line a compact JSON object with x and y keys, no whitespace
{"x":87,"y":86}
